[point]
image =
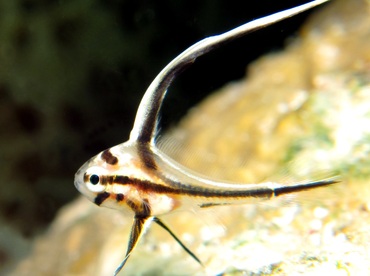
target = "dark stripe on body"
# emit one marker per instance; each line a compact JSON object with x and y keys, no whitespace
{"x":108,"y":157}
{"x":147,"y":186}
{"x":119,"y":197}
{"x":146,"y":156}
{"x":182,"y":189}
{"x":207,"y":205}
{"x":141,"y":209}
{"x":99,"y":199}
{"x":302,"y":187}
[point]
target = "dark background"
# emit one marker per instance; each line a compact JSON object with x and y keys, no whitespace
{"x":70,"y":82}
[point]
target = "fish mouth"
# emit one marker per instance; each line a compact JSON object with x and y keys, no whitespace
{"x":80,"y":184}
{"x":77,"y":185}
{"x":78,"y":181}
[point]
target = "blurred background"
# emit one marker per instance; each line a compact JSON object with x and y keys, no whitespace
{"x":72,"y":74}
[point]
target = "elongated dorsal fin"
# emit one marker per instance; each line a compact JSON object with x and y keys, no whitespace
{"x":146,"y":120}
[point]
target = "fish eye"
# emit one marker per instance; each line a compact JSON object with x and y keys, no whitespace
{"x":94,"y":179}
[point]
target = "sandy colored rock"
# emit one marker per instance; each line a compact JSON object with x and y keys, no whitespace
{"x":302,"y":113}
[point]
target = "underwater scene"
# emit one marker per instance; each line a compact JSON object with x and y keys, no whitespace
{"x":287,"y":104}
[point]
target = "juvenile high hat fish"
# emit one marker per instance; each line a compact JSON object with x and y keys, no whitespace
{"x":138,"y":178}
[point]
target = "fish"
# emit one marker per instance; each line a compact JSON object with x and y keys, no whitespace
{"x":139,"y":179}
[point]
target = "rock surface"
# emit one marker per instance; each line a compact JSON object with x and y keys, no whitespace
{"x":302,"y":113}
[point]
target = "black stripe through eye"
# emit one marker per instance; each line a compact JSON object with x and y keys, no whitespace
{"x":94,"y":179}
